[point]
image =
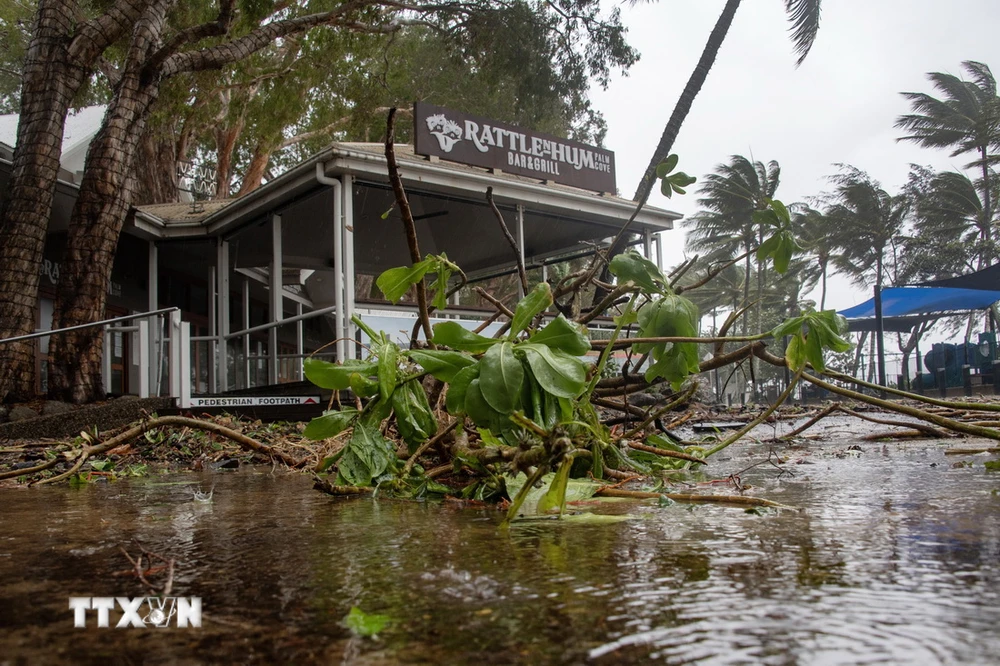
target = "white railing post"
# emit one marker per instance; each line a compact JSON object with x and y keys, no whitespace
{"x":106,"y":360}
{"x":184,"y":398}
{"x":142,"y":340}
{"x":175,"y":354}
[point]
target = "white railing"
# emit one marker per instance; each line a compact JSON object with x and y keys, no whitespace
{"x":178,"y":339}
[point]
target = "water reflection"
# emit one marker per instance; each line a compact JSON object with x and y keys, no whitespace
{"x":894,"y":560}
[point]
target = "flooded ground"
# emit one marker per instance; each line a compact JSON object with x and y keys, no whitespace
{"x":895,"y":559}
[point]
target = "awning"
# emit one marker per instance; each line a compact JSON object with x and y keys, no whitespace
{"x":902,"y":307}
{"x":987,"y":279}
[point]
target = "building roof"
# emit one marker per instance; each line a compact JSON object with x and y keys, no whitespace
{"x":81,"y":126}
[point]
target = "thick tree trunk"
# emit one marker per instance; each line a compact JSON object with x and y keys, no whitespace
{"x":49,"y":84}
{"x":156,"y":182}
{"x":75,"y":368}
{"x":225,"y":145}
{"x":60,"y":57}
{"x":256,"y":170}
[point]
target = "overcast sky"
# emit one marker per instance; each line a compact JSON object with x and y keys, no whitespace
{"x":839,"y":106}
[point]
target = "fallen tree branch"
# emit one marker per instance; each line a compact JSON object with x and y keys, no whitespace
{"x":667,"y":453}
{"x":182,"y":421}
{"x":521,"y":274}
{"x":693,"y":498}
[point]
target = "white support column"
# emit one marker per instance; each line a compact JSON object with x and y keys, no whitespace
{"x":519,"y":236}
{"x":156,"y":330}
{"x":647,"y":244}
{"x":246,"y":338}
{"x":222,"y":314}
{"x":106,"y":359}
{"x":299,"y":343}
{"x":174,"y":378}
{"x":277,"y":307}
{"x":659,"y":250}
{"x":213,"y":328}
{"x":347,"y":193}
{"x":184,"y":332}
{"x":545,"y":278}
{"x":142,"y":338}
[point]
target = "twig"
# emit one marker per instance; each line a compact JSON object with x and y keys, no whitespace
{"x":667,"y":453}
{"x":408,"y":223}
{"x":10,"y":474}
{"x":811,"y":422}
{"x":425,"y":446}
{"x":693,"y":497}
{"x":663,"y":410}
{"x":207,"y":426}
{"x":757,"y":421}
{"x":510,"y":239}
{"x":496,"y":303}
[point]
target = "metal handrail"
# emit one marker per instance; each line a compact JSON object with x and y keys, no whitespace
{"x":79,"y":327}
{"x":276,"y":324}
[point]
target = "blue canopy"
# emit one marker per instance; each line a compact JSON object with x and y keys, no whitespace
{"x":902,"y":301}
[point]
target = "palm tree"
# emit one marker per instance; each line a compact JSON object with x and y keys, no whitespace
{"x":814,"y":233}
{"x":868,"y":220}
{"x":951,"y":209}
{"x":804,"y":17}
{"x":730,"y":196}
{"x":966,"y":119}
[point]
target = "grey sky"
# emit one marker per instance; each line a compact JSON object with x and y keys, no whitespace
{"x":839,"y":106}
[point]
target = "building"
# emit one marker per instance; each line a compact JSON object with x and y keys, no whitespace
{"x":271,"y":277}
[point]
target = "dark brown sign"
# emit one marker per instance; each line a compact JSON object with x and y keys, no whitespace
{"x":460,"y":137}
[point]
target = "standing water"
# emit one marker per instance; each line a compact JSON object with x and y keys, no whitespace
{"x":894,"y":559}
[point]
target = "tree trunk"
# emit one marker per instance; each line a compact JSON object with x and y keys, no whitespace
{"x":75,"y":368}
{"x":60,"y":57}
{"x":48,"y":85}
{"x":256,"y":170}
{"x":225,"y":145}
{"x":691,"y":91}
{"x":157,"y":180}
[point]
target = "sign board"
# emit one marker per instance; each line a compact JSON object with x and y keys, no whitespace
{"x":476,"y":141}
{"x":254,"y":401}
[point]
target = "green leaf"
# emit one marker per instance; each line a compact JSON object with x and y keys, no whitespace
{"x":366,"y":456}
{"x":478,"y":409}
{"x":666,"y":189}
{"x":362,"y":386}
{"x":788,"y":327}
{"x":457,"y":389}
{"x":814,"y":351}
{"x":781,"y":211}
{"x":555,"y":497}
{"x":395,"y":282}
{"x":557,"y":372}
{"x":442,"y":268}
{"x":365,"y":624}
{"x":530,"y":306}
{"x":633,"y":267}
{"x":666,"y":166}
{"x":388,"y":369}
{"x":795,"y":353}
{"x":768,"y":247}
{"x":500,"y":378}
{"x":454,"y":335}
{"x":766,"y":217}
{"x":564,"y":335}
{"x":783,"y":254}
{"x":414,"y":417}
{"x":331,"y":424}
{"x":441,"y":363}
{"x":577,"y":490}
{"x":333,"y":375}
